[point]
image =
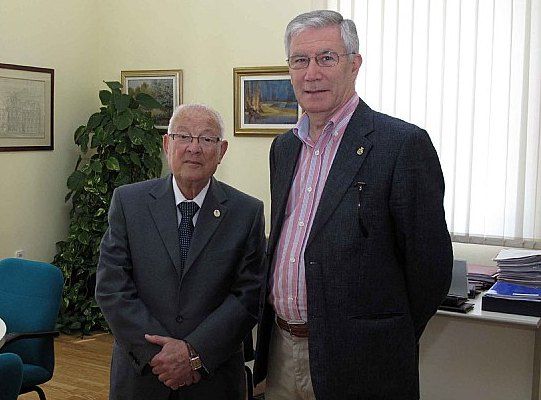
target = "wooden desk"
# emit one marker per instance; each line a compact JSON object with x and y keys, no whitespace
{"x":481,"y":355}
{"x":2,"y":332}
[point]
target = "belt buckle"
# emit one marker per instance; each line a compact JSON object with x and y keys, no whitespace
{"x":289,"y":328}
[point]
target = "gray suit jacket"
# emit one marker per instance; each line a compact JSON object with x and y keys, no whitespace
{"x":213,"y":305}
{"x":378,"y":261}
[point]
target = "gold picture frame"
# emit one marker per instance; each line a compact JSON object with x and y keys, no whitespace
{"x":26,"y":108}
{"x":164,"y":85}
{"x":264,"y":101}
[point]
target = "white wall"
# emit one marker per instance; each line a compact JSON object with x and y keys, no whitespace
{"x":88,"y":41}
{"x":206,"y":39}
{"x":58,"y":34}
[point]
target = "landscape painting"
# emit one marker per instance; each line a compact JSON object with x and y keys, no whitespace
{"x":164,"y":85}
{"x":265,"y":103}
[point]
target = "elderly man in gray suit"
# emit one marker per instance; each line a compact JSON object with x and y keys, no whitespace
{"x":359,"y":249}
{"x":180,"y":272}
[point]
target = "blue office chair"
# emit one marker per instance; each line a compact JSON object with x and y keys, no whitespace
{"x":30,"y":294}
{"x":11,"y":376}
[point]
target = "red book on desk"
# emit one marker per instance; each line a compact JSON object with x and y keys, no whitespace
{"x":483,"y":276}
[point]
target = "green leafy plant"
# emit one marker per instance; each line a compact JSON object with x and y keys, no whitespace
{"x":118,"y":145}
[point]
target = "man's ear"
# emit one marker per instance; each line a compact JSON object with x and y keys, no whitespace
{"x":165,"y":143}
{"x":223,"y":148}
{"x":357,"y":62}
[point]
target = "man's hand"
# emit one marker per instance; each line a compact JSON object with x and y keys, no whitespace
{"x":172,"y":363}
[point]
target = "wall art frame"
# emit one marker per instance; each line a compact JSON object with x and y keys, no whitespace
{"x":26,"y":108}
{"x":264,"y":101}
{"x":164,"y":85}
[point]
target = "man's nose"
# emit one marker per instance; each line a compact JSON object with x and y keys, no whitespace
{"x":194,"y":146}
{"x":313,"y":71}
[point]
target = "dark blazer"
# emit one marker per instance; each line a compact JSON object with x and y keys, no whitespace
{"x":378,"y":261}
{"x":213,"y":305}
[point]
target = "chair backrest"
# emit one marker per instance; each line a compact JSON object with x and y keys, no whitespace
{"x":30,"y":295}
{"x":11,"y":376}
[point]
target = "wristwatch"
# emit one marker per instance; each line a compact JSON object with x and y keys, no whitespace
{"x":196,"y":363}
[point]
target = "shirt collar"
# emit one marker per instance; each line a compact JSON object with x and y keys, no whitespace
{"x":302,"y":129}
{"x":179,"y":197}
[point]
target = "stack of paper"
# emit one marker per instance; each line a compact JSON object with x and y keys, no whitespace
{"x":519,"y":266}
{"x":482,"y":276}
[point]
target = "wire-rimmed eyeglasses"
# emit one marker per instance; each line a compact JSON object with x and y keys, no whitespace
{"x":186,"y":138}
{"x":325,"y":59}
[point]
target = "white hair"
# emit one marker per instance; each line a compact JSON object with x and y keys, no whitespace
{"x":322,"y":19}
{"x":197,"y":108}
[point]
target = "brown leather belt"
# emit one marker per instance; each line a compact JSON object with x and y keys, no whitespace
{"x":298,"y":330}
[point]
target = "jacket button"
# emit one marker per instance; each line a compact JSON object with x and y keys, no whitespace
{"x":178,"y":318}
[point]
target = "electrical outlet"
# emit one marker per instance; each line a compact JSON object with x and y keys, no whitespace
{"x":19,"y":253}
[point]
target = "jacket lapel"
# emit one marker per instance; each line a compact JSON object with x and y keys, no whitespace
{"x":287,"y":157}
{"x":164,"y":212}
{"x":212,"y":212}
{"x":349,"y":157}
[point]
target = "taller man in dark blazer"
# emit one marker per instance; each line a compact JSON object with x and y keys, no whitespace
{"x":359,"y":250}
{"x":180,"y":272}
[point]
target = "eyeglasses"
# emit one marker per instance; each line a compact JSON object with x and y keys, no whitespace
{"x":186,"y":138}
{"x":326,"y":59}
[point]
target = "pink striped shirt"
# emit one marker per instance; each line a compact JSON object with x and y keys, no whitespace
{"x":288,"y":283}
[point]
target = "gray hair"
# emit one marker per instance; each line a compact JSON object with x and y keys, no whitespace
{"x":322,"y":19}
{"x":197,"y":108}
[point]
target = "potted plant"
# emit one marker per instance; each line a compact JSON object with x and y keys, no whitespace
{"x":118,"y":145}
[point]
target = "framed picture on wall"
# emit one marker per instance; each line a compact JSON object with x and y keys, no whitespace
{"x":164,"y":85}
{"x":264,"y":101}
{"x":26,"y":108}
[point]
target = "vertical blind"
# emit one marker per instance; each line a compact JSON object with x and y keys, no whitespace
{"x":469,"y":72}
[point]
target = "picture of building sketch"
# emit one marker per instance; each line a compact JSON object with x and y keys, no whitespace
{"x":22,"y":108}
{"x":26,"y":108}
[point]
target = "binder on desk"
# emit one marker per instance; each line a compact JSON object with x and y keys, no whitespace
{"x":513,"y":299}
{"x":458,"y":291}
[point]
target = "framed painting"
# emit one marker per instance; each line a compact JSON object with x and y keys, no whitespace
{"x":264,"y":101}
{"x":26,"y":108}
{"x":164,"y":85}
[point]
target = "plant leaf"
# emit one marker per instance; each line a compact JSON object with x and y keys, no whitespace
{"x":123,"y":120}
{"x":95,"y":165}
{"x":135,"y":159}
{"x":113,"y":85}
{"x":97,"y":138}
{"x":112,"y":164}
{"x":105,"y":97}
{"x":94,"y":121}
{"x":147,"y":101}
{"x":78,"y":133}
{"x":121,"y":148}
{"x":136,"y":135}
{"x":122,"y":102}
{"x":76,"y":180}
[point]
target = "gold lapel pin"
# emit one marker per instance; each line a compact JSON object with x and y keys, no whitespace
{"x":360,"y":151}
{"x":216,"y":213}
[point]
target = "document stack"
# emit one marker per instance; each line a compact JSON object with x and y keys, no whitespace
{"x":482,"y":276}
{"x":518,"y":289}
{"x":519,"y":266}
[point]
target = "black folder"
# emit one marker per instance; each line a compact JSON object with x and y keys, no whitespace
{"x":511,"y":306}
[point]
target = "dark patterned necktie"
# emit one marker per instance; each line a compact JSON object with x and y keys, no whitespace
{"x":185,"y":229}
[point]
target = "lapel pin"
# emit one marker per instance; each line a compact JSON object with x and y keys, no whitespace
{"x":216,"y":213}
{"x":360,"y":151}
